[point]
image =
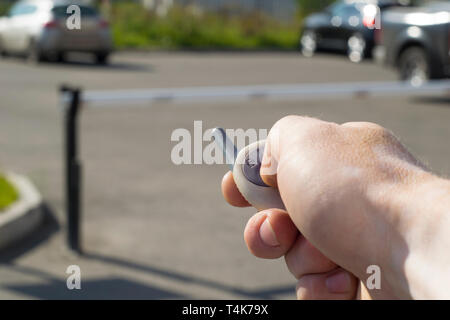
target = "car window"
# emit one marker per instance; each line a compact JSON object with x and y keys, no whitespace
{"x":351,"y":10}
{"x":61,"y":11}
{"x":336,"y":8}
{"x":29,"y":9}
{"x":344,"y":10}
{"x":22,"y":9}
{"x":15,"y":10}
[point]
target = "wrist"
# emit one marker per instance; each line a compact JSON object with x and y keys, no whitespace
{"x":428,"y":262}
{"x":417,"y":212}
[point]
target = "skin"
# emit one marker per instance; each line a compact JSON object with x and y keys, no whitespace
{"x":355,"y":197}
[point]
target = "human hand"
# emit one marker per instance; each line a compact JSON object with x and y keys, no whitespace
{"x":348,"y":189}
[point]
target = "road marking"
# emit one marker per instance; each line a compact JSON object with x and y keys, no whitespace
{"x":274,"y":91}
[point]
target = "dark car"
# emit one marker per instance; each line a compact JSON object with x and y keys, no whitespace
{"x":416,"y":41}
{"x":346,"y":26}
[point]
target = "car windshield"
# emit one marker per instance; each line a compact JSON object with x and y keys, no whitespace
{"x":334,"y":6}
{"x":61,"y":11}
{"x":22,"y":9}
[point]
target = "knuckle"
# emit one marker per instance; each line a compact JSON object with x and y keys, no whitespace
{"x":371,"y":133}
{"x":286,"y":120}
{"x":303,"y":258}
{"x":376,"y":128}
{"x":316,"y":135}
{"x":301,"y":292}
{"x":306,"y":288}
{"x":320,"y":130}
{"x":294,"y":121}
{"x":370,"y":127}
{"x":378,"y":134}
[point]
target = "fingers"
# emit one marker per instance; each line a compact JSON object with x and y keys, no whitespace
{"x":318,"y":277}
{"x":270,"y":234}
{"x":231,"y":193}
{"x":303,"y":258}
{"x":338,"y":284}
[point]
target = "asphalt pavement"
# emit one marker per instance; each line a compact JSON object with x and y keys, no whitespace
{"x":152,"y":229}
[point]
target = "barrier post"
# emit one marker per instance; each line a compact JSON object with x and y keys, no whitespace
{"x":72,"y":107}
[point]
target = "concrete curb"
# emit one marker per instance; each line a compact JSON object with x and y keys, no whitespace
{"x":22,"y":217}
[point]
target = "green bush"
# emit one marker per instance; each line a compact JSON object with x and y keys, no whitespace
{"x":4,"y":8}
{"x":8,"y":193}
{"x":306,"y":7}
{"x":135,"y":27}
{"x":184,"y":28}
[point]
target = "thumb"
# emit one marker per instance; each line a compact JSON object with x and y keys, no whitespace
{"x":282,"y":137}
{"x":269,"y":162}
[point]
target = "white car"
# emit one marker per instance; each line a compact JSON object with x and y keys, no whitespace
{"x":39,"y":30}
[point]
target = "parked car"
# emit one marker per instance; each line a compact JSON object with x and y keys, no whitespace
{"x":346,"y":26}
{"x":38,"y":30}
{"x":416,"y":42}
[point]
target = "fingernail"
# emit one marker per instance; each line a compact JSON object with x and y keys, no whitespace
{"x":338,"y":282}
{"x":267,"y":234}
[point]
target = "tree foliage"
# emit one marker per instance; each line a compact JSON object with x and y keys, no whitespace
{"x":308,"y":6}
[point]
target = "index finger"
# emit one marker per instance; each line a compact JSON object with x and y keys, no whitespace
{"x":231,"y":192}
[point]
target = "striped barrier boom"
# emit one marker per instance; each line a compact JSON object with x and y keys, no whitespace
{"x":273,"y":91}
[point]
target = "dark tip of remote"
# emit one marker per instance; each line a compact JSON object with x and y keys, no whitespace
{"x":252,"y":166}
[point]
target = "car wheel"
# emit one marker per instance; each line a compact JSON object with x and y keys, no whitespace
{"x":356,"y":45}
{"x":414,"y":66}
{"x":34,"y":55}
{"x":61,"y":57}
{"x":101,"y":58}
{"x":308,"y":43}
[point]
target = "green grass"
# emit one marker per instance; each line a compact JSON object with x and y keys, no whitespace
{"x":4,"y":7}
{"x":181,"y":28}
{"x":8,"y":193}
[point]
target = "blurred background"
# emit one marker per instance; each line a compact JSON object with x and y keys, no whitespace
{"x":152,"y":229}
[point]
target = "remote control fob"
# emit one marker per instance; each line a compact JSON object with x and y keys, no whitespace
{"x":246,"y":165}
{"x":246,"y":174}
